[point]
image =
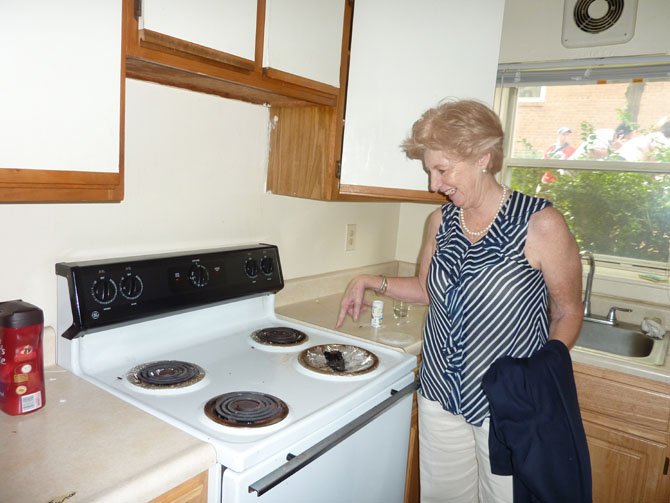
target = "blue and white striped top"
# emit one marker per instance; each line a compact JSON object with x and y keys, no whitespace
{"x":486,"y":301}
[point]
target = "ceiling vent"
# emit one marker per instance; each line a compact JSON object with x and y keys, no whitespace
{"x":589,"y":23}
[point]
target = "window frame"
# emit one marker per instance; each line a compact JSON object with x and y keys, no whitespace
{"x":612,"y":273}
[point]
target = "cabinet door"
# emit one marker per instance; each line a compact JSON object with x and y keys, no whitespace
{"x":61,"y":96}
{"x":304,"y":38}
{"x":624,"y":467}
{"x":227,"y":26}
{"x":192,"y":491}
{"x":405,"y":58}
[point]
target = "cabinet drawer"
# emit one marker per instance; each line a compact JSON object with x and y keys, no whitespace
{"x":647,"y":407}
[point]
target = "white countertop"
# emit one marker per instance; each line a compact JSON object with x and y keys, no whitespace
{"x":402,"y":333}
{"x":86,"y":445}
{"x":323,"y":311}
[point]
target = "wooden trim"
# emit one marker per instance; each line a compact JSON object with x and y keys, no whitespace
{"x":623,"y":377}
{"x":386,"y":193}
{"x":301,"y":81}
{"x":119,"y":191}
{"x":345,"y":54}
{"x":623,"y":401}
{"x":194,"y":490}
{"x":301,"y":137}
{"x":152,"y":39}
{"x":260,"y":36}
{"x":282,"y":95}
{"x":37,"y":185}
{"x":246,"y":82}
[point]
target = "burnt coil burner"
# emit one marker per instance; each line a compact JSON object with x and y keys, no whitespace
{"x":338,"y":360}
{"x":279,"y":336}
{"x":165,"y":374}
{"x":246,"y":409}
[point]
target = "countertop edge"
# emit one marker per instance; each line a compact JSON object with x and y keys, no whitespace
{"x":163,"y":477}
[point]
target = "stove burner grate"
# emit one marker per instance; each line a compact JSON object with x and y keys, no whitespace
{"x":279,"y":336}
{"x":165,"y":374}
{"x":246,"y":409}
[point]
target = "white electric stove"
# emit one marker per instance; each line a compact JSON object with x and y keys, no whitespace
{"x":295,"y":413}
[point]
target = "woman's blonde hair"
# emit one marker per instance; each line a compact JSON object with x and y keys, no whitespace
{"x":466,"y":129}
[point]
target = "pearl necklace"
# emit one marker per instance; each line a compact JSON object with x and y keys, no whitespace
{"x":485,"y":230}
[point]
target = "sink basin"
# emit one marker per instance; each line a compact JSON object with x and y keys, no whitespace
{"x":623,"y":339}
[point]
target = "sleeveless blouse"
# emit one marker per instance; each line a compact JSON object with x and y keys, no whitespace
{"x":486,"y":301}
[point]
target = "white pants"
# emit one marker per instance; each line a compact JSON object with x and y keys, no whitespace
{"x":454,"y":459}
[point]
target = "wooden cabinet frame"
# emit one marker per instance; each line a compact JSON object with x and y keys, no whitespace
{"x":627,"y":424}
{"x":170,"y":61}
{"x":154,"y":57}
{"x":306,"y":147}
{"x":194,"y":490}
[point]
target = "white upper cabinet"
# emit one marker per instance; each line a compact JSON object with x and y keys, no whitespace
{"x":60,"y":90}
{"x":304,"y":38}
{"x":224,"y":25}
{"x":405,"y":58}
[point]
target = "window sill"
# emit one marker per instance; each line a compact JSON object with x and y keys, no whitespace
{"x":628,"y":285}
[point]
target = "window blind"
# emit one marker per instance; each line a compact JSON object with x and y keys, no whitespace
{"x":585,"y":71}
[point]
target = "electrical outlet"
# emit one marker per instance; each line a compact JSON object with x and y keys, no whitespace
{"x":350,"y":241}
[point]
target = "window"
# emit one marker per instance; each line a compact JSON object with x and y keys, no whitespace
{"x":531,"y":94}
{"x":598,"y":147}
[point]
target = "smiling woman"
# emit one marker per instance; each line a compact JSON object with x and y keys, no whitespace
{"x":492,"y":264}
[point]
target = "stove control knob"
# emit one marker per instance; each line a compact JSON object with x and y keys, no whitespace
{"x":199,"y":276}
{"x":267,"y":266}
{"x":131,"y":286}
{"x":104,"y":290}
{"x":251,"y":268}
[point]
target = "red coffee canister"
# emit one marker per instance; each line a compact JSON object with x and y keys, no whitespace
{"x":21,"y":359}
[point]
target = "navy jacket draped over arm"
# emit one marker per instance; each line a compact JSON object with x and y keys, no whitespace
{"x":536,"y":433}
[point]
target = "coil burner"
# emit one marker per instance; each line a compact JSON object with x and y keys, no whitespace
{"x":279,"y":336}
{"x":165,"y":374}
{"x":248,"y":409}
{"x":338,"y":360}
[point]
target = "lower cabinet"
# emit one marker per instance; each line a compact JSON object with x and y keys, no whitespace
{"x":627,"y":424}
{"x":625,"y":467}
{"x":194,"y":490}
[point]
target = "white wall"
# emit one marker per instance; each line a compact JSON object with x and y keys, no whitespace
{"x":411,"y":229}
{"x":195,"y":178}
{"x":532,"y":31}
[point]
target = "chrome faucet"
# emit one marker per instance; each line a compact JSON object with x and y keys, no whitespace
{"x":611,"y":318}
{"x":589,"y":281}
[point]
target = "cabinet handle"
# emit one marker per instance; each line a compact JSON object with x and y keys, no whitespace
{"x":665,"y":467}
{"x":138,"y":9}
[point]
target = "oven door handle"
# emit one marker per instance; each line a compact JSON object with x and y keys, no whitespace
{"x":296,"y":463}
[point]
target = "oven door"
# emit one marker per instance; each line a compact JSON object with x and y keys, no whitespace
{"x":368,"y":465}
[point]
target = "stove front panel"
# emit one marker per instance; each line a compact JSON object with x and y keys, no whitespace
{"x":104,"y":293}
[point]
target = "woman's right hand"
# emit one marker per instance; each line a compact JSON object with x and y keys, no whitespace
{"x":353,"y":299}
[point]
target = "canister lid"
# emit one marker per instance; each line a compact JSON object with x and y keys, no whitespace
{"x":16,"y":314}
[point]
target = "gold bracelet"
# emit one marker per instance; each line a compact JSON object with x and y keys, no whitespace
{"x":385,"y":284}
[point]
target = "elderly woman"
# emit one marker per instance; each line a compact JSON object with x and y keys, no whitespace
{"x":501,"y":274}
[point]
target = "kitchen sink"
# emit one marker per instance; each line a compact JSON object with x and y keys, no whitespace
{"x":622,"y":339}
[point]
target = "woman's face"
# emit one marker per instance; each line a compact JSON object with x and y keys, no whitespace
{"x":459,"y":180}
